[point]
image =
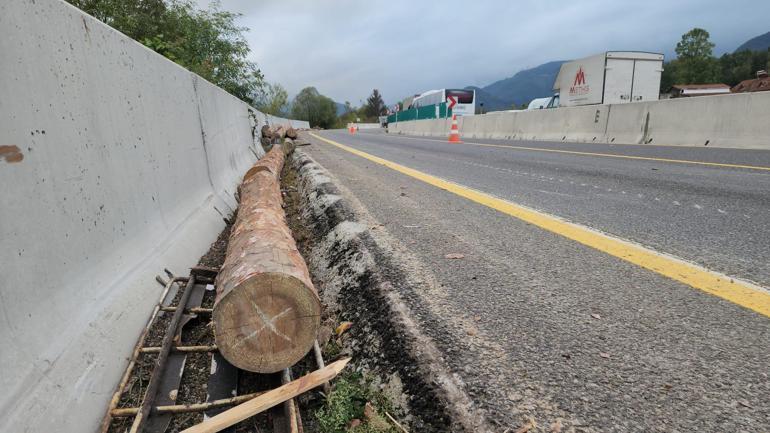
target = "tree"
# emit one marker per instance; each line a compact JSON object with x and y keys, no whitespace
{"x":208,"y":43}
{"x":273,"y":100}
{"x":696,"y":65}
{"x":317,"y":109}
{"x":375,"y":106}
{"x":669,"y":75}
{"x":138,"y":19}
{"x":743,"y":65}
{"x":695,"y":44}
{"x":348,"y":116}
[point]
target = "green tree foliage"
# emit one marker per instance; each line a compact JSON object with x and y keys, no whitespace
{"x":696,"y":65}
{"x":349,"y":116}
{"x":743,"y":65}
{"x":669,"y":76}
{"x":314,"y":107}
{"x":138,"y":19}
{"x":273,"y":100}
{"x":695,"y":44}
{"x":374,"y":107}
{"x":208,"y":43}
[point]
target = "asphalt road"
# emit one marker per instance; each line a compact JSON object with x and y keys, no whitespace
{"x":539,"y":326}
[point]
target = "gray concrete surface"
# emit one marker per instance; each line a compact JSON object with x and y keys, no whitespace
{"x":539,"y":326}
{"x":125,"y":163}
{"x":730,"y":121}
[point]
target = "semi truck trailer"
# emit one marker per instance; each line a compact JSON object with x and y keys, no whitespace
{"x":612,"y":77}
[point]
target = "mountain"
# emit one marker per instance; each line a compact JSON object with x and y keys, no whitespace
{"x":524,"y":86}
{"x":340,"y":108}
{"x":760,"y":43}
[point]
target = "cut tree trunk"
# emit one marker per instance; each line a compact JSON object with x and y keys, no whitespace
{"x":267,"y":312}
{"x":266,"y":133}
{"x":279,"y":132}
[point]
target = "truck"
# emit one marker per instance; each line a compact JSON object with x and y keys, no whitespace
{"x":612,"y":77}
{"x":544,"y":103}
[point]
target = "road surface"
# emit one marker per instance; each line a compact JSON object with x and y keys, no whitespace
{"x":539,"y":325}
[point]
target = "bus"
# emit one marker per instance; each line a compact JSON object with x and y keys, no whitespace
{"x":466,"y":100}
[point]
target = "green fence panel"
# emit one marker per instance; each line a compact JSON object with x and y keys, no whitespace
{"x":439,"y":111}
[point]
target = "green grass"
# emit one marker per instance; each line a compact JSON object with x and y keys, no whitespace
{"x":346,"y":402}
{"x":332,"y":349}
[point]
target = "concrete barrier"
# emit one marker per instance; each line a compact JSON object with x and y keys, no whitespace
{"x":736,"y":121}
{"x":114,"y":163}
{"x":368,"y":126}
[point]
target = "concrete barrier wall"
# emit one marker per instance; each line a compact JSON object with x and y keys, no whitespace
{"x":368,"y":125}
{"x":114,"y":163}
{"x":736,"y":121}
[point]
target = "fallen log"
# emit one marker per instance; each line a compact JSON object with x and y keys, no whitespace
{"x":291,"y":133}
{"x":266,"y":312}
{"x":269,"y":399}
{"x":266,"y":132}
{"x":279,"y":132}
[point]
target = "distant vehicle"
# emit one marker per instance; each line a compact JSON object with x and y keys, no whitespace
{"x":466,"y":100}
{"x":613,"y":77}
{"x":544,"y":103}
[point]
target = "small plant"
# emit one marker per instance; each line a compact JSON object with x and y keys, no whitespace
{"x":332,"y":349}
{"x":347,"y":402}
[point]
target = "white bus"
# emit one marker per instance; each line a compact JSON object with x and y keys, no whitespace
{"x":466,"y":100}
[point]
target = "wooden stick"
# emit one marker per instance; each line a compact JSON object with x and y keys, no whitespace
{"x":160,"y":364}
{"x":126,"y":412}
{"x":291,"y":408}
{"x":269,"y":399}
{"x":130,"y":368}
{"x":393,"y":420}
{"x":194,"y":310}
{"x":319,"y":359}
{"x":186,"y":349}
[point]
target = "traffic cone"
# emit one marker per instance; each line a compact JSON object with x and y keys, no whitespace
{"x":454,"y":133}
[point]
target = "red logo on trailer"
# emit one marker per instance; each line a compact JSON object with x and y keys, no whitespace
{"x":579,"y":86}
{"x":580,"y":77}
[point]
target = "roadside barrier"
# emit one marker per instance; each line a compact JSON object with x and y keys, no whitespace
{"x":731,"y":121}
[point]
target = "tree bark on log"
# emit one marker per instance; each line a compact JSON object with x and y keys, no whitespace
{"x":279,"y":132}
{"x":267,"y":312}
{"x":266,"y":132}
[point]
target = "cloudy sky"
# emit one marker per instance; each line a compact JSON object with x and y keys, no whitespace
{"x":345,"y":48}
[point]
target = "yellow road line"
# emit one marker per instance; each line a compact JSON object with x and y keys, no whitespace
{"x":739,"y":292}
{"x":604,"y":155}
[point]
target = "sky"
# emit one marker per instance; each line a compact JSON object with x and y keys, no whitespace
{"x":346,"y":48}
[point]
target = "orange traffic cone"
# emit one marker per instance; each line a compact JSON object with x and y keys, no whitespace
{"x":454,"y":133}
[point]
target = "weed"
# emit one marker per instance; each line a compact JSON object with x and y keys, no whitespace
{"x":347,"y":401}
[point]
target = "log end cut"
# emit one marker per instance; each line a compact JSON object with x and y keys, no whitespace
{"x":267,"y":323}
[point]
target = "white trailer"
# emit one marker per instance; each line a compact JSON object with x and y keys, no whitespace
{"x":612,"y":77}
